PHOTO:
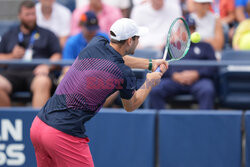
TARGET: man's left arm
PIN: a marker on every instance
(142, 63)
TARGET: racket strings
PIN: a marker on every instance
(178, 40)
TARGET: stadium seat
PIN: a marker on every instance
(21, 97)
(200, 138)
(182, 101)
(234, 81)
(247, 148)
(6, 24)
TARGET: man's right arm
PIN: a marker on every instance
(5, 47)
(16, 53)
(141, 94)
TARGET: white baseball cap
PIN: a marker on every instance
(126, 28)
(204, 1)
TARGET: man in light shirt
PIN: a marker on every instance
(157, 15)
(106, 15)
(55, 17)
(123, 5)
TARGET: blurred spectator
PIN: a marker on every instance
(139, 2)
(184, 7)
(242, 10)
(123, 5)
(157, 15)
(27, 41)
(197, 81)
(106, 15)
(241, 39)
(90, 29)
(224, 9)
(55, 17)
(209, 27)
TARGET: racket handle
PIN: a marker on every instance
(158, 69)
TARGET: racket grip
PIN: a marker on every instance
(158, 69)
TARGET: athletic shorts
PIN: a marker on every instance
(54, 148)
(20, 80)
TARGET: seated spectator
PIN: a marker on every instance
(123, 5)
(241, 39)
(55, 17)
(27, 41)
(106, 15)
(207, 24)
(184, 7)
(225, 10)
(157, 15)
(242, 10)
(76, 43)
(197, 81)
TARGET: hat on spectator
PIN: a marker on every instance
(89, 20)
(125, 28)
(190, 20)
(204, 1)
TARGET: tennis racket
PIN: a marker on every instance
(178, 41)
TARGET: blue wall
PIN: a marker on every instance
(122, 139)
(117, 138)
(200, 139)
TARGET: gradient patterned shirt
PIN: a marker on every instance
(97, 72)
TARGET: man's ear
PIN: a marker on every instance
(129, 41)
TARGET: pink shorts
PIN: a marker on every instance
(54, 148)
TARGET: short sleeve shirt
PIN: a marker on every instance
(98, 71)
(45, 44)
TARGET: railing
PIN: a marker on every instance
(174, 63)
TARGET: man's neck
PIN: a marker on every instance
(46, 11)
(25, 30)
(118, 49)
(201, 14)
(96, 8)
(88, 39)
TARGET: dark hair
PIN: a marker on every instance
(119, 42)
(28, 4)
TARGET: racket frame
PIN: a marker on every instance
(168, 40)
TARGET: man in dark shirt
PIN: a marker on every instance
(97, 72)
(26, 42)
(192, 80)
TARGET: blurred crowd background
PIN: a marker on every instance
(60, 29)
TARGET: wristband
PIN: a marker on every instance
(150, 65)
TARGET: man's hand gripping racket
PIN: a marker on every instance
(178, 41)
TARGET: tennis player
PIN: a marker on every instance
(58, 132)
